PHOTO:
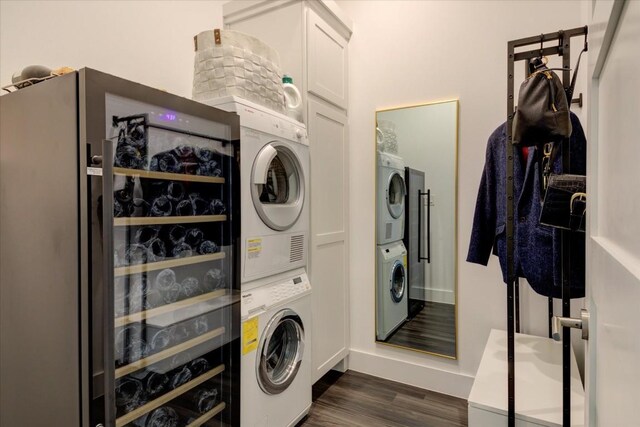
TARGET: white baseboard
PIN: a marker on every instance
(450, 383)
(445, 296)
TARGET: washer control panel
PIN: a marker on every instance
(261, 299)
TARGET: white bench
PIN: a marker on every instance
(538, 368)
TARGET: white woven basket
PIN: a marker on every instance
(233, 63)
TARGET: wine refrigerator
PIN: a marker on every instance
(119, 285)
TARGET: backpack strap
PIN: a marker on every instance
(549, 154)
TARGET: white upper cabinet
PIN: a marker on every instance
(327, 61)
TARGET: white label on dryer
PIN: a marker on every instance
(254, 248)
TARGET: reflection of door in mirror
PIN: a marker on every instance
(416, 224)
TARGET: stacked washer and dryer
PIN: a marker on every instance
(392, 298)
(276, 293)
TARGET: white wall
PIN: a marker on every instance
(150, 42)
(408, 52)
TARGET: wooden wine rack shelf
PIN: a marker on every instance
(208, 415)
(164, 220)
(170, 263)
(168, 176)
(156, 403)
(171, 351)
(148, 314)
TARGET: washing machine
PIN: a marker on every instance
(276, 356)
(391, 191)
(274, 186)
(392, 299)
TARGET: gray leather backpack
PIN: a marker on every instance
(543, 111)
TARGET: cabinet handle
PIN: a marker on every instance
(107, 282)
(421, 194)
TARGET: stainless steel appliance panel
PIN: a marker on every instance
(39, 276)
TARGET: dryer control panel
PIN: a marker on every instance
(260, 299)
(262, 119)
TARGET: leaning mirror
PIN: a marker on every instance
(416, 158)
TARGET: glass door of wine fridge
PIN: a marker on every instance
(165, 222)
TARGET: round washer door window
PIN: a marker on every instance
(277, 186)
(280, 352)
(397, 281)
(395, 195)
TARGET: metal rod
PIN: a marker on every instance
(547, 51)
(548, 37)
(429, 226)
(550, 306)
(517, 296)
(565, 245)
(510, 241)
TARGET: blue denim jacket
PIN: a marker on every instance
(537, 247)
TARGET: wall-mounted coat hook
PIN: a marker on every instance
(577, 100)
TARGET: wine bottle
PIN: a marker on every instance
(129, 393)
(193, 237)
(208, 247)
(190, 287)
(214, 279)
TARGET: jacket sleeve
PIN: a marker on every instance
(484, 220)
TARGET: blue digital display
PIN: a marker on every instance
(169, 117)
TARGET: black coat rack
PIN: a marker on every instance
(562, 49)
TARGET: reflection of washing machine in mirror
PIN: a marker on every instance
(392, 306)
(274, 171)
(390, 201)
(276, 360)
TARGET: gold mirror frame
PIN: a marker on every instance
(375, 222)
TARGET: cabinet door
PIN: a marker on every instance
(329, 242)
(327, 61)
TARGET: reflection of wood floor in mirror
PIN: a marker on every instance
(355, 399)
(432, 330)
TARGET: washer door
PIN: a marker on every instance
(396, 191)
(280, 352)
(277, 186)
(397, 281)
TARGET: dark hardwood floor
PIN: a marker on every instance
(432, 330)
(355, 399)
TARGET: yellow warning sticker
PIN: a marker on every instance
(254, 248)
(249, 335)
(404, 261)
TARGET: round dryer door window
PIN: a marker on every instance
(395, 195)
(397, 281)
(280, 352)
(277, 186)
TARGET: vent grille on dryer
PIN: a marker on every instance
(297, 249)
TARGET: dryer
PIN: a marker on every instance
(276, 355)
(392, 298)
(390, 201)
(274, 186)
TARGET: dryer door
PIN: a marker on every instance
(277, 186)
(280, 352)
(396, 191)
(397, 281)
